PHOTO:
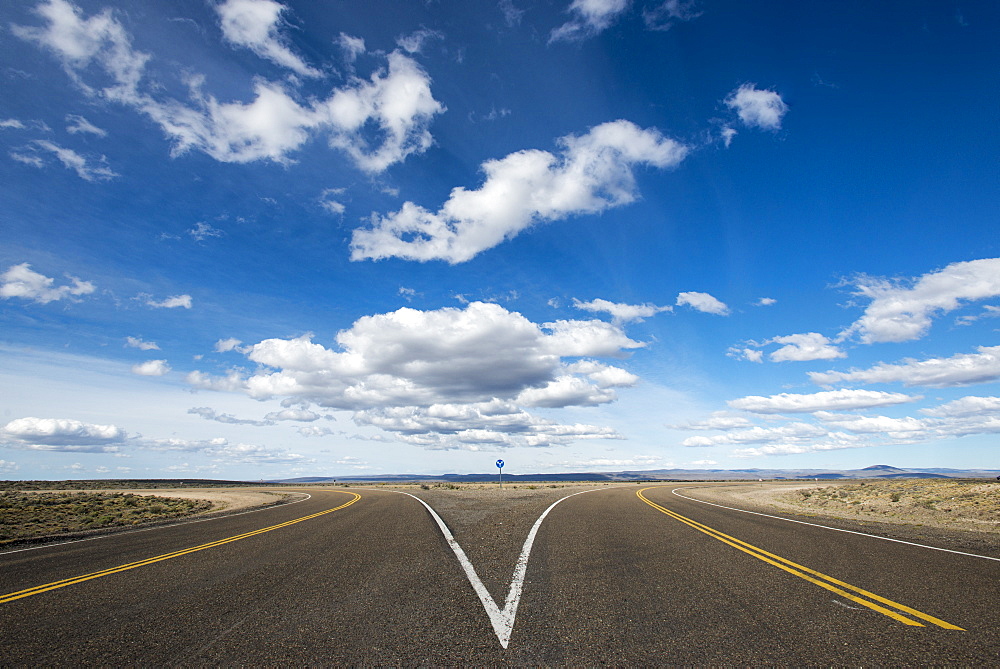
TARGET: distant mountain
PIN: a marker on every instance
(883, 468)
(875, 471)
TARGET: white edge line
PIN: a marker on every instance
(502, 621)
(156, 527)
(837, 529)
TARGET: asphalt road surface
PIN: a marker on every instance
(613, 577)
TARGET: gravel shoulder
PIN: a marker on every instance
(955, 514)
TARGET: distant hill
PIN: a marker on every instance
(875, 471)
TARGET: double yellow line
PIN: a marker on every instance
(166, 556)
(811, 575)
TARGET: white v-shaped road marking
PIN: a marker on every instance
(502, 620)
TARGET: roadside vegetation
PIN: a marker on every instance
(29, 515)
(124, 484)
(969, 504)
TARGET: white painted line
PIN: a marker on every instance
(156, 527)
(502, 621)
(837, 529)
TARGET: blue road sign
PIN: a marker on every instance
(500, 464)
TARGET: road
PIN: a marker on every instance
(368, 577)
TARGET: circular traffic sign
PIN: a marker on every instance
(500, 464)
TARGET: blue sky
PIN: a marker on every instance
(247, 239)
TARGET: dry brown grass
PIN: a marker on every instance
(949, 503)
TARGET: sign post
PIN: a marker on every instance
(500, 467)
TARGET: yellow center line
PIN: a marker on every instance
(166, 556)
(811, 575)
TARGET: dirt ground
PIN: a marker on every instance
(222, 499)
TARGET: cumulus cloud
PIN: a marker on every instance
(256, 24)
(8, 466)
(211, 414)
(791, 433)
(962, 369)
(702, 302)
(589, 17)
(22, 282)
(136, 342)
(822, 401)
(906, 428)
(593, 172)
(805, 346)
(151, 368)
(62, 434)
(834, 442)
(757, 108)
(230, 344)
(970, 405)
(765, 302)
(482, 360)
(377, 122)
(171, 302)
(719, 420)
(901, 310)
(476, 426)
(298, 415)
(621, 313)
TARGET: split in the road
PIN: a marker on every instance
(502, 620)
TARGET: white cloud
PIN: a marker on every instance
(756, 107)
(621, 313)
(896, 428)
(719, 420)
(791, 433)
(414, 42)
(70, 159)
(377, 122)
(12, 123)
(211, 414)
(593, 173)
(151, 368)
(962, 369)
(78, 42)
(298, 415)
(255, 24)
(436, 367)
(21, 281)
(62, 434)
(902, 310)
(352, 46)
(226, 345)
(476, 426)
(78, 124)
(8, 466)
(704, 463)
(331, 205)
(822, 401)
(136, 342)
(669, 12)
(765, 302)
(702, 302)
(970, 405)
(805, 346)
(590, 17)
(834, 444)
(171, 302)
(202, 231)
